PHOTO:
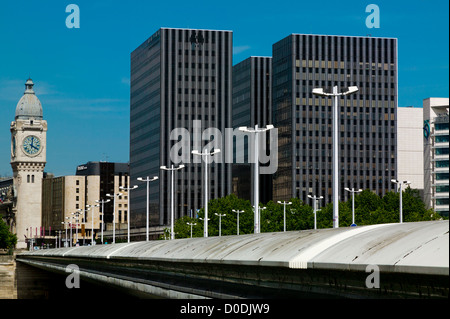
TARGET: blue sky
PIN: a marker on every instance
(82, 75)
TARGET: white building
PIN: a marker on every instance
(410, 146)
(436, 154)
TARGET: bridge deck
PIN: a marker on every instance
(404, 251)
(421, 247)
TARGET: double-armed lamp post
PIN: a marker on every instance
(284, 212)
(335, 95)
(237, 211)
(92, 207)
(353, 191)
(148, 180)
(256, 131)
(400, 183)
(102, 201)
(206, 154)
(315, 199)
(114, 213)
(171, 170)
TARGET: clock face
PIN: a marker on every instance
(31, 145)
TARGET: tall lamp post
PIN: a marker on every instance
(315, 199)
(148, 180)
(353, 191)
(128, 189)
(400, 183)
(220, 222)
(284, 212)
(171, 170)
(77, 216)
(335, 95)
(237, 212)
(71, 227)
(206, 154)
(102, 201)
(114, 213)
(191, 224)
(256, 131)
(92, 207)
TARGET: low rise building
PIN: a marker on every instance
(66, 199)
(436, 154)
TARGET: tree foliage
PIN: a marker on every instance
(7, 239)
(369, 209)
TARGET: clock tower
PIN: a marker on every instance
(28, 158)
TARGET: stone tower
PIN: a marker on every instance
(28, 158)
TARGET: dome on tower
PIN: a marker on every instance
(29, 106)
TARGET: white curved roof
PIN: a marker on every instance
(420, 247)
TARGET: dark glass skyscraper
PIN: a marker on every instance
(252, 105)
(180, 78)
(367, 119)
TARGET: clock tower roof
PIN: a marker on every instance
(29, 106)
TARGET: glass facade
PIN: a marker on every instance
(178, 76)
(252, 105)
(367, 119)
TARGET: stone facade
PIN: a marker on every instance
(28, 159)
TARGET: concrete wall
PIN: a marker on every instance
(410, 145)
(7, 278)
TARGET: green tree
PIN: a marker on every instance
(225, 206)
(369, 209)
(183, 229)
(222, 206)
(8, 240)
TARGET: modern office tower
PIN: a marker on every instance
(436, 154)
(180, 78)
(367, 119)
(252, 105)
(409, 146)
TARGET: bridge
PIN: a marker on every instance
(408, 260)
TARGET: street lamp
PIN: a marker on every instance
(237, 212)
(148, 180)
(77, 216)
(172, 169)
(284, 212)
(191, 224)
(206, 153)
(353, 202)
(83, 224)
(114, 213)
(71, 226)
(335, 95)
(92, 229)
(316, 199)
(400, 183)
(66, 244)
(220, 222)
(103, 213)
(256, 131)
(258, 215)
(128, 189)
